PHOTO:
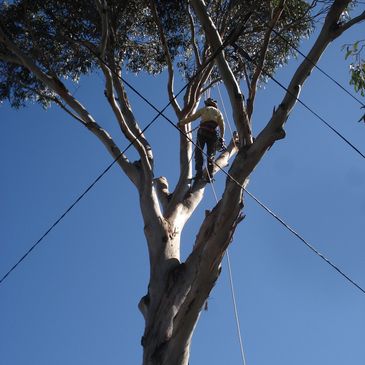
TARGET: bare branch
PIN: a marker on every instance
(183, 209)
(191, 98)
(195, 92)
(193, 38)
(145, 163)
(263, 51)
(170, 84)
(237, 100)
(352, 22)
(223, 159)
(274, 129)
(211, 84)
(83, 115)
(127, 111)
(102, 7)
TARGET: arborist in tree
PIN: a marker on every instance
(208, 134)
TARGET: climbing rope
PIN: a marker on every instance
(231, 286)
(233, 292)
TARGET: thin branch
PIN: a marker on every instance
(237, 100)
(127, 111)
(59, 88)
(129, 168)
(193, 38)
(170, 68)
(185, 144)
(147, 168)
(102, 7)
(211, 84)
(261, 60)
(328, 33)
(352, 22)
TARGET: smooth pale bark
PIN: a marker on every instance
(178, 290)
(240, 116)
(168, 333)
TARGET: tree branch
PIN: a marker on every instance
(191, 98)
(170, 83)
(193, 38)
(217, 229)
(58, 87)
(102, 7)
(237, 100)
(350, 23)
(328, 33)
(127, 112)
(263, 51)
(211, 84)
(162, 190)
(109, 90)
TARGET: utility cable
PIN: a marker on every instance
(243, 356)
(82, 195)
(233, 292)
(249, 58)
(282, 222)
(229, 39)
(268, 210)
(317, 67)
(160, 112)
(226, 116)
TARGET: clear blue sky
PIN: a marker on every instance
(74, 299)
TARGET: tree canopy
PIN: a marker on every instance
(45, 46)
(65, 38)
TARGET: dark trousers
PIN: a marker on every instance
(205, 137)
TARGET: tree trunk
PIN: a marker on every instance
(177, 291)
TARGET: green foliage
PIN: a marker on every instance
(63, 37)
(357, 66)
(358, 77)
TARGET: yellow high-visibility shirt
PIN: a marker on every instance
(208, 113)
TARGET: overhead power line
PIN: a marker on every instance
(81, 196)
(318, 67)
(268, 210)
(160, 112)
(229, 39)
(233, 291)
(327, 124)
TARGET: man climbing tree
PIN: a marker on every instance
(46, 44)
(211, 121)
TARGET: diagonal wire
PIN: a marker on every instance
(267, 209)
(347, 141)
(81, 196)
(320, 69)
(229, 39)
(160, 112)
(233, 292)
